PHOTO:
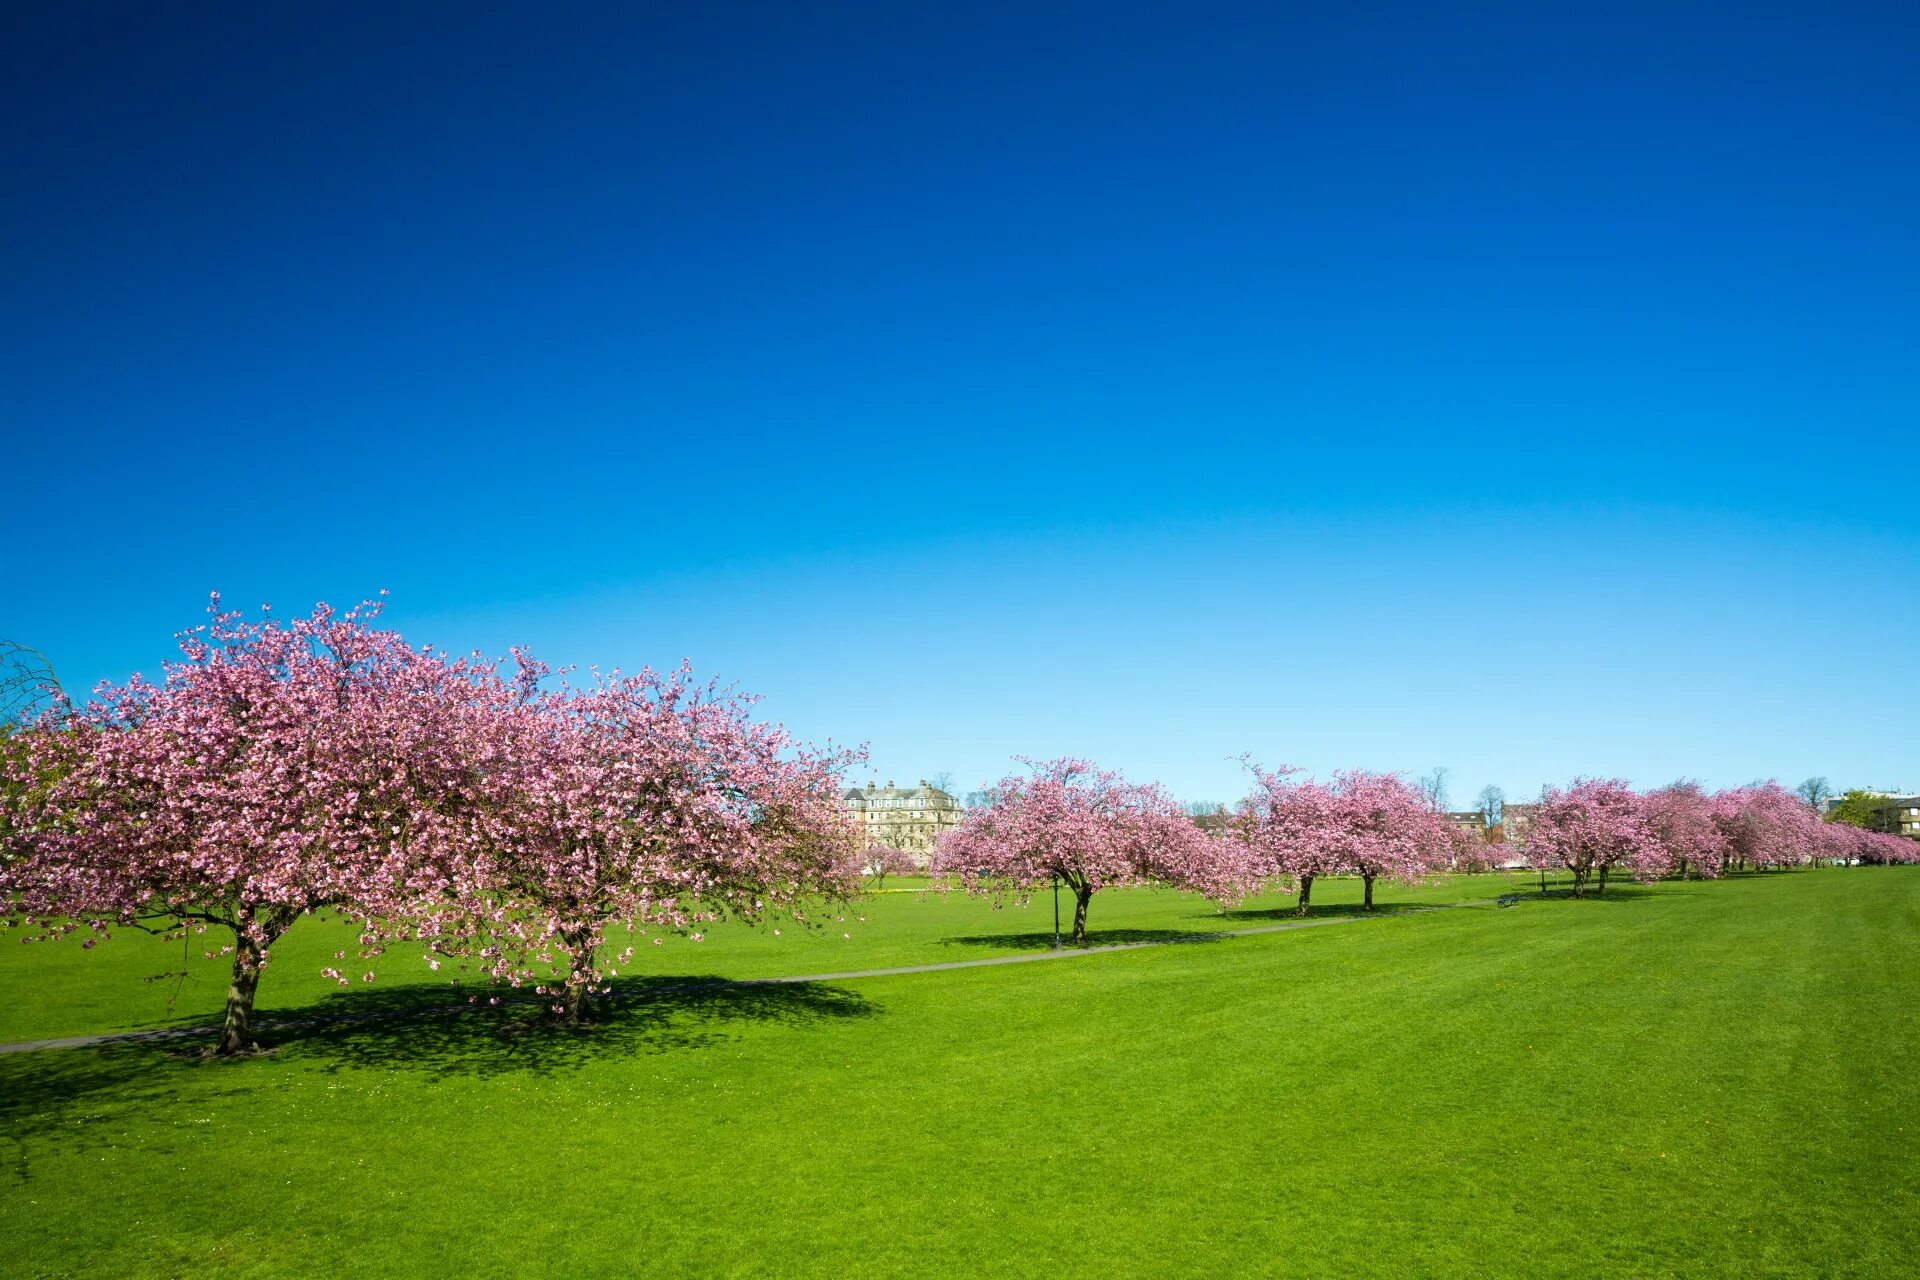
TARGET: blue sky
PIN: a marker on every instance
(1525, 389)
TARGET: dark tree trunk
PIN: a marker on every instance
(1579, 881)
(1603, 882)
(1306, 894)
(251, 942)
(1368, 881)
(236, 1033)
(578, 1004)
(1082, 895)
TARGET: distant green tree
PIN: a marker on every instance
(1868, 810)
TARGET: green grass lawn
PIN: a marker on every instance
(136, 982)
(1689, 1080)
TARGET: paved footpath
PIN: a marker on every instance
(1025, 957)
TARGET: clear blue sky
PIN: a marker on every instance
(1528, 389)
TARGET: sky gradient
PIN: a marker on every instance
(1525, 389)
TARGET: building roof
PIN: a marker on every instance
(926, 793)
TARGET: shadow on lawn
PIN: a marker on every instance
(87, 1095)
(1043, 939)
(1332, 910)
(81, 1098)
(1616, 892)
(1224, 921)
(648, 1015)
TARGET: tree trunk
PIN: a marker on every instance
(236, 1033)
(577, 1007)
(1306, 894)
(1081, 897)
(1603, 882)
(251, 942)
(1368, 881)
(1579, 881)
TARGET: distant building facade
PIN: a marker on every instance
(1893, 814)
(906, 818)
(1500, 853)
(1906, 816)
(1516, 820)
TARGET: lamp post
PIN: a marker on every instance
(1056, 911)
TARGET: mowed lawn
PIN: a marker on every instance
(1691, 1080)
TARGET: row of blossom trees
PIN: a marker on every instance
(515, 826)
(523, 829)
(1599, 827)
(1088, 829)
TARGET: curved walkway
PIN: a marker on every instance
(1024, 957)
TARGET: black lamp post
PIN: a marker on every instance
(1056, 911)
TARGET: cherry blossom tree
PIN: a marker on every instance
(1592, 828)
(1287, 828)
(278, 768)
(639, 803)
(1382, 826)
(1368, 824)
(1681, 817)
(1848, 845)
(1474, 852)
(883, 860)
(1872, 848)
(1764, 825)
(1089, 827)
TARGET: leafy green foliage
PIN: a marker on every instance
(1868, 810)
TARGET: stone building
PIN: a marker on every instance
(1906, 816)
(908, 818)
(1515, 819)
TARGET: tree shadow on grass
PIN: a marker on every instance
(1616, 892)
(1331, 911)
(87, 1095)
(80, 1098)
(1043, 940)
(640, 1016)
